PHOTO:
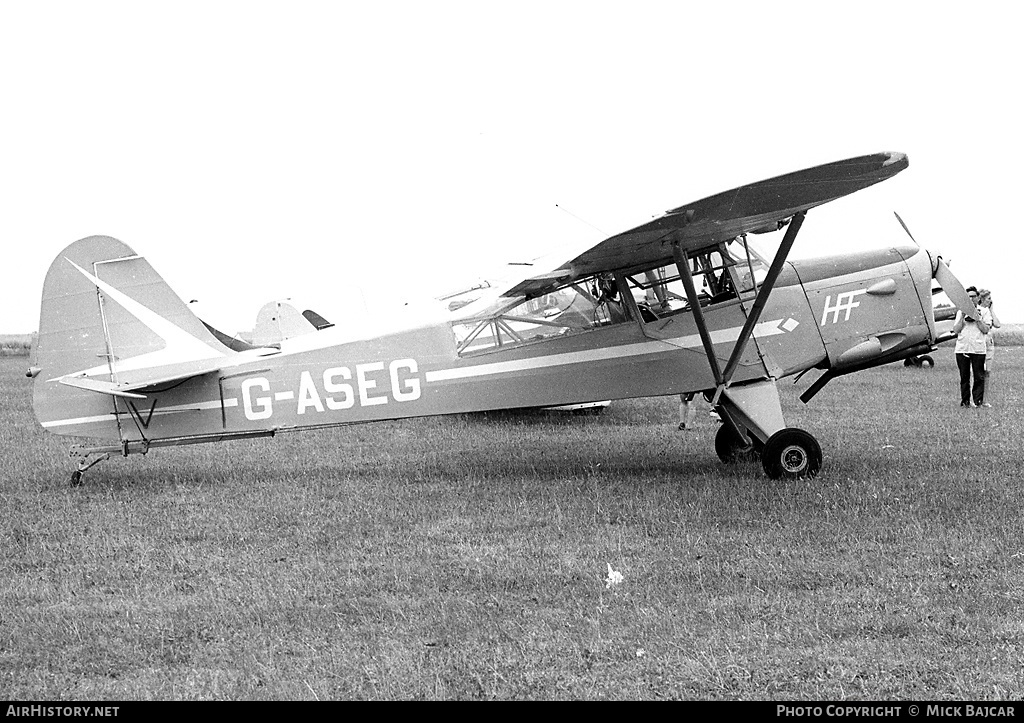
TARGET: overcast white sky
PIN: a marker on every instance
(258, 150)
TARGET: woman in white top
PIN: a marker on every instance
(988, 315)
(972, 332)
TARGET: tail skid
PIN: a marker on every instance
(85, 457)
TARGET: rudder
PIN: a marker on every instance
(84, 329)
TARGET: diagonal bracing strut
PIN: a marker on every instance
(683, 265)
(762, 295)
(723, 377)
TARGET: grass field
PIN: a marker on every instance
(15, 344)
(467, 557)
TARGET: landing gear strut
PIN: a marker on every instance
(730, 448)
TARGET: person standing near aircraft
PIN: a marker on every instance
(990, 318)
(686, 409)
(971, 331)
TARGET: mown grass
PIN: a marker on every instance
(1009, 335)
(16, 344)
(466, 557)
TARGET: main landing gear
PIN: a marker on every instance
(731, 448)
(789, 453)
(752, 421)
(751, 412)
(753, 428)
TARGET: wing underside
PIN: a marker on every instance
(765, 205)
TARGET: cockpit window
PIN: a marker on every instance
(750, 266)
(576, 307)
(718, 274)
(660, 292)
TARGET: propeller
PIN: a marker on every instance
(945, 278)
(905, 228)
(953, 288)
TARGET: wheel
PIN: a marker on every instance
(730, 447)
(791, 453)
(76, 478)
(925, 361)
(909, 361)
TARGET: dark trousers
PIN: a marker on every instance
(968, 363)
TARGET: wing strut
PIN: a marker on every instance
(722, 378)
(683, 264)
(762, 295)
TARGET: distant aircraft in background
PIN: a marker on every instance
(679, 304)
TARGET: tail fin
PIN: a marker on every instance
(104, 306)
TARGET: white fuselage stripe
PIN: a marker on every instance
(197, 407)
(652, 346)
(693, 341)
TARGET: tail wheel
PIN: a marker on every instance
(791, 454)
(730, 448)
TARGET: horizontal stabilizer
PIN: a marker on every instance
(137, 380)
(98, 385)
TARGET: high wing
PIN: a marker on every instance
(765, 205)
(162, 342)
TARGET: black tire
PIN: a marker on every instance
(791, 453)
(925, 361)
(910, 362)
(730, 447)
(76, 478)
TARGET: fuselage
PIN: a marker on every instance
(822, 313)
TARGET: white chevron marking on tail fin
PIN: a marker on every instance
(180, 345)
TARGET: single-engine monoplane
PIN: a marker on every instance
(683, 303)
